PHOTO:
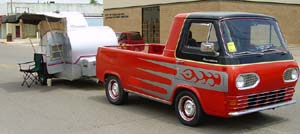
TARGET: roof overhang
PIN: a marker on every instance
(28, 18)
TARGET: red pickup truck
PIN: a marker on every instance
(216, 63)
(131, 40)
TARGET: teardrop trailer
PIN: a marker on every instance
(223, 64)
(68, 45)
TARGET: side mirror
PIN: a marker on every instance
(209, 48)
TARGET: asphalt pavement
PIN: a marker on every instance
(80, 107)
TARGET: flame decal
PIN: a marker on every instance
(190, 75)
(176, 74)
(209, 78)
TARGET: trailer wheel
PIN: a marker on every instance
(188, 109)
(114, 91)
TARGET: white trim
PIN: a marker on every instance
(149, 97)
(248, 111)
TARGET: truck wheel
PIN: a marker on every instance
(188, 109)
(114, 91)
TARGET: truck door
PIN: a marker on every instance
(195, 67)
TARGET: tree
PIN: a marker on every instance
(93, 2)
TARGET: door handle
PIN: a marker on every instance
(179, 61)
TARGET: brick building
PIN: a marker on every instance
(153, 18)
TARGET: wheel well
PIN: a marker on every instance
(107, 75)
(179, 90)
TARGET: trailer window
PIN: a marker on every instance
(56, 52)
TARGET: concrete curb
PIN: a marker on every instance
(20, 41)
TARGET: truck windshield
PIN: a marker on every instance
(252, 36)
(135, 36)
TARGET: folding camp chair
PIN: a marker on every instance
(32, 71)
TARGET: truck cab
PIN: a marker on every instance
(260, 71)
(224, 64)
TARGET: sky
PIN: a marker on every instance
(57, 1)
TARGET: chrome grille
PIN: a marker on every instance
(266, 98)
(250, 79)
(288, 75)
(262, 99)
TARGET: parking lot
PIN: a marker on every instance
(80, 107)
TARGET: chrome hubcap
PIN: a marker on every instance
(187, 108)
(113, 90)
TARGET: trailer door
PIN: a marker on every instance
(54, 51)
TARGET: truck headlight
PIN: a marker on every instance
(240, 82)
(247, 81)
(291, 75)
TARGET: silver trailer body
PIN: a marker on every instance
(70, 46)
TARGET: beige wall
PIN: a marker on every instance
(109, 4)
(167, 13)
(29, 31)
(288, 15)
(133, 22)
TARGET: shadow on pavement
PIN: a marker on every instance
(82, 84)
(166, 113)
(158, 111)
(240, 124)
(56, 84)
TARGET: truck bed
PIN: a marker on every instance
(123, 60)
(146, 48)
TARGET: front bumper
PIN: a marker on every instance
(252, 110)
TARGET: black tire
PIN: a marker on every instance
(114, 91)
(188, 109)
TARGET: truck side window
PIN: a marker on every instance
(196, 33)
(200, 33)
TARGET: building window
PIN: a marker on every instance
(151, 24)
(94, 21)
